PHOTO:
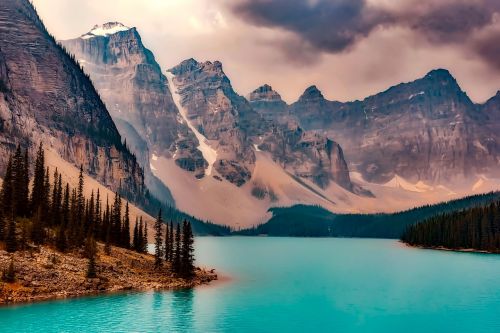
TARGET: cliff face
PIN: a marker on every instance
(268, 103)
(223, 117)
(136, 93)
(423, 130)
(45, 97)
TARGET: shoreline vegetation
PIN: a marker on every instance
(447, 249)
(56, 243)
(43, 274)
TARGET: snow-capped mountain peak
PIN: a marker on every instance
(105, 30)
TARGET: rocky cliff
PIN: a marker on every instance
(45, 97)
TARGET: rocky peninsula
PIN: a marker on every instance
(43, 273)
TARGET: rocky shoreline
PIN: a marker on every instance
(44, 274)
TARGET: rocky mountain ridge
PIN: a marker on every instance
(45, 97)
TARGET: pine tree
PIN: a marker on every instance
(18, 179)
(97, 215)
(46, 200)
(55, 208)
(167, 244)
(116, 223)
(80, 200)
(176, 264)
(187, 258)
(158, 241)
(65, 213)
(135, 239)
(145, 239)
(10, 237)
(126, 228)
(171, 242)
(37, 193)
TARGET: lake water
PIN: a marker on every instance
(296, 285)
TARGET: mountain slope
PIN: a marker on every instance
(427, 130)
(45, 97)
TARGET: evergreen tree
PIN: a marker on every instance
(18, 180)
(145, 239)
(107, 244)
(10, 237)
(135, 239)
(46, 200)
(37, 193)
(65, 213)
(171, 242)
(80, 200)
(167, 244)
(25, 189)
(116, 223)
(126, 228)
(158, 241)
(187, 258)
(97, 215)
(55, 208)
(176, 263)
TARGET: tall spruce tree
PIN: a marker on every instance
(176, 263)
(126, 228)
(135, 239)
(158, 241)
(18, 180)
(167, 242)
(145, 239)
(37, 193)
(171, 240)
(187, 264)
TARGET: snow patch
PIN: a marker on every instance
(415, 95)
(256, 147)
(209, 154)
(154, 157)
(399, 182)
(152, 167)
(105, 30)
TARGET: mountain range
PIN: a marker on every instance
(185, 135)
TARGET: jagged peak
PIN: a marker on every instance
(440, 74)
(105, 30)
(264, 93)
(311, 92)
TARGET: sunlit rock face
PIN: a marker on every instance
(268, 103)
(45, 97)
(137, 94)
(218, 113)
(426, 130)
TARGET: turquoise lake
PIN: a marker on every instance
(296, 285)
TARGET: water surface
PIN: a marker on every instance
(296, 285)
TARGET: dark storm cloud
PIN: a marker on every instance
(333, 26)
(330, 26)
(453, 21)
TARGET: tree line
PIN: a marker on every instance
(54, 214)
(474, 228)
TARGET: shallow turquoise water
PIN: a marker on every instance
(297, 285)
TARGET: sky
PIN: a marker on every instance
(349, 49)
